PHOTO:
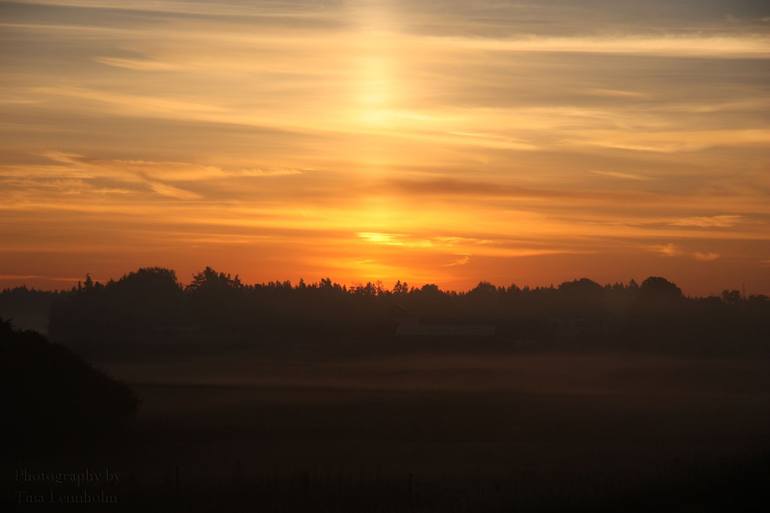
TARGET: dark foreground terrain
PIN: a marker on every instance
(421, 432)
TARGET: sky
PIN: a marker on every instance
(436, 141)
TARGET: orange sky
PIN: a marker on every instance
(438, 141)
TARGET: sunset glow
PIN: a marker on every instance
(441, 141)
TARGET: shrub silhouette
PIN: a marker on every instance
(48, 391)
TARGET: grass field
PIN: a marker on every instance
(450, 432)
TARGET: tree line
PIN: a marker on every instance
(151, 306)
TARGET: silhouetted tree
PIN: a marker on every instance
(659, 289)
(400, 288)
(483, 288)
(210, 281)
(731, 297)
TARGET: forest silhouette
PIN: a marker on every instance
(150, 307)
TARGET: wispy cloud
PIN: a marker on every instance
(689, 140)
(668, 250)
(706, 256)
(463, 260)
(15, 277)
(719, 221)
(140, 64)
(394, 239)
(673, 250)
(141, 105)
(622, 176)
(683, 46)
(617, 93)
(259, 172)
(173, 192)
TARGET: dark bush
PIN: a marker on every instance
(49, 392)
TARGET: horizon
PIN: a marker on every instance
(385, 286)
(373, 140)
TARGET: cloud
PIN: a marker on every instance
(394, 239)
(140, 64)
(672, 250)
(622, 176)
(501, 247)
(450, 186)
(617, 93)
(670, 46)
(668, 142)
(75, 174)
(17, 277)
(257, 172)
(667, 250)
(445, 186)
(463, 260)
(134, 105)
(720, 221)
(63, 157)
(217, 9)
(705, 256)
(164, 170)
(173, 192)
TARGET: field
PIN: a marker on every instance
(448, 432)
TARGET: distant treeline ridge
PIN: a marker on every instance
(150, 305)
